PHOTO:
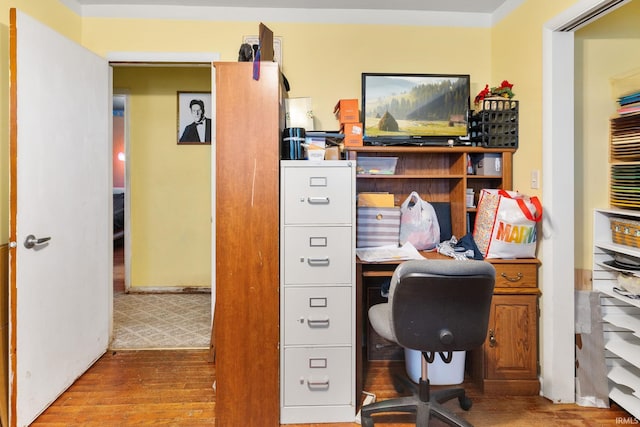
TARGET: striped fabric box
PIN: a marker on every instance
(377, 226)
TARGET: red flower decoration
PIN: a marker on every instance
(483, 93)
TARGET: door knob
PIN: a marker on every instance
(31, 241)
(492, 338)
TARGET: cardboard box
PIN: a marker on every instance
(346, 111)
(352, 134)
(377, 227)
(375, 200)
(332, 153)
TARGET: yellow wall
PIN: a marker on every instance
(600, 55)
(516, 55)
(604, 50)
(321, 61)
(170, 183)
(324, 62)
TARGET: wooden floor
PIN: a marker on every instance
(174, 388)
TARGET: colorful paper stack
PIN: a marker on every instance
(629, 104)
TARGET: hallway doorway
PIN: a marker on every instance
(147, 319)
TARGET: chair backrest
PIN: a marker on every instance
(443, 213)
(441, 305)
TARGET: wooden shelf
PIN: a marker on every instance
(438, 174)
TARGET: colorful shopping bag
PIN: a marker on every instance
(506, 224)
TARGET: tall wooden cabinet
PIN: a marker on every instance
(248, 114)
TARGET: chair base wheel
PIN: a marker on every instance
(465, 402)
(367, 421)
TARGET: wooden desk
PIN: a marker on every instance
(507, 364)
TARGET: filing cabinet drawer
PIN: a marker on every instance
(317, 255)
(516, 275)
(317, 195)
(317, 315)
(317, 376)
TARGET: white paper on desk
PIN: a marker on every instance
(389, 253)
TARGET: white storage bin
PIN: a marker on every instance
(439, 373)
(490, 164)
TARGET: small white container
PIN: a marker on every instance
(315, 154)
(470, 197)
(376, 165)
(490, 164)
(439, 373)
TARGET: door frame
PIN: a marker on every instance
(169, 59)
(124, 94)
(557, 330)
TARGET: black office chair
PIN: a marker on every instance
(436, 307)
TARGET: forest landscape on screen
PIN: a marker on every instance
(414, 107)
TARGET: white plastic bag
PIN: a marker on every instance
(419, 223)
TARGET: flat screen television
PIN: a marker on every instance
(414, 109)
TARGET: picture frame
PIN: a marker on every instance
(277, 46)
(189, 106)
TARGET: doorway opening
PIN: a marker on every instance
(119, 180)
(146, 318)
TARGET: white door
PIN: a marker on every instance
(60, 290)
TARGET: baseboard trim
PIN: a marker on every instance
(168, 290)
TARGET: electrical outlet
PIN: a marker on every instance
(535, 179)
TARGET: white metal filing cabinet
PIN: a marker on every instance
(317, 291)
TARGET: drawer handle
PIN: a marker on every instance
(320, 383)
(492, 338)
(512, 279)
(318, 200)
(318, 261)
(316, 322)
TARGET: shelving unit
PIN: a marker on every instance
(438, 174)
(508, 361)
(624, 159)
(620, 314)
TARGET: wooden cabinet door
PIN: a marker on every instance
(511, 348)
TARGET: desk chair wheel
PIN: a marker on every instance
(402, 384)
(465, 402)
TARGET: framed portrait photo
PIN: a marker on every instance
(194, 118)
